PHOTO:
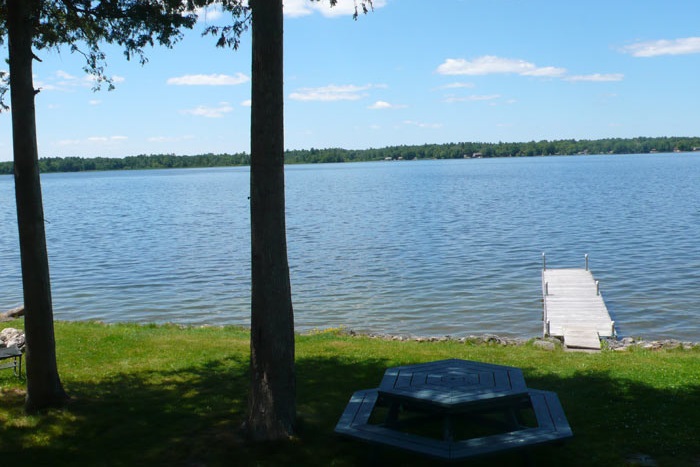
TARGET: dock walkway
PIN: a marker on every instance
(574, 308)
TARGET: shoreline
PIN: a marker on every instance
(547, 343)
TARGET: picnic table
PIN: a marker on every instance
(13, 353)
(454, 409)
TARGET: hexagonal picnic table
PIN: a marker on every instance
(450, 389)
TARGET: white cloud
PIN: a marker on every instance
(687, 45)
(490, 64)
(597, 77)
(247, 103)
(91, 140)
(546, 71)
(332, 92)
(473, 98)
(66, 82)
(64, 75)
(456, 86)
(299, 8)
(422, 124)
(106, 139)
(381, 105)
(209, 13)
(209, 112)
(94, 102)
(209, 80)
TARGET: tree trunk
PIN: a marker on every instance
(271, 409)
(44, 387)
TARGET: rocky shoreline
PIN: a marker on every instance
(14, 337)
(547, 343)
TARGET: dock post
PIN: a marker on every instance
(597, 287)
(546, 288)
(544, 262)
(586, 257)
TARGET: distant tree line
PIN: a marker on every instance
(158, 161)
(639, 145)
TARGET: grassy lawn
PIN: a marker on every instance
(164, 395)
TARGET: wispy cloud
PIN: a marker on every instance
(686, 45)
(92, 140)
(423, 124)
(209, 80)
(105, 139)
(209, 13)
(597, 77)
(299, 8)
(66, 82)
(209, 112)
(382, 105)
(348, 92)
(490, 64)
(456, 86)
(472, 98)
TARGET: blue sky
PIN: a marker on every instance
(411, 72)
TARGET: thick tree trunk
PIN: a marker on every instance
(43, 384)
(272, 409)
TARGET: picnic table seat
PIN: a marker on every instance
(15, 355)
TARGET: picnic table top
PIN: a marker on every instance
(453, 384)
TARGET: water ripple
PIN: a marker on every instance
(428, 247)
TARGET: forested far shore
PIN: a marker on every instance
(639, 145)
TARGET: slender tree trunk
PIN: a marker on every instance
(272, 409)
(44, 387)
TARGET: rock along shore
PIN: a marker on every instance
(547, 343)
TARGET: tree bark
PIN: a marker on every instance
(272, 406)
(44, 387)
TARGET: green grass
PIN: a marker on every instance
(165, 395)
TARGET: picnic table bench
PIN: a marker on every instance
(450, 392)
(7, 353)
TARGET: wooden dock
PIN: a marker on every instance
(574, 308)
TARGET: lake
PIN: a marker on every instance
(412, 247)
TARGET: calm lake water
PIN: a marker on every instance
(420, 247)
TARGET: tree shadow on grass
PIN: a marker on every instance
(192, 417)
(617, 421)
